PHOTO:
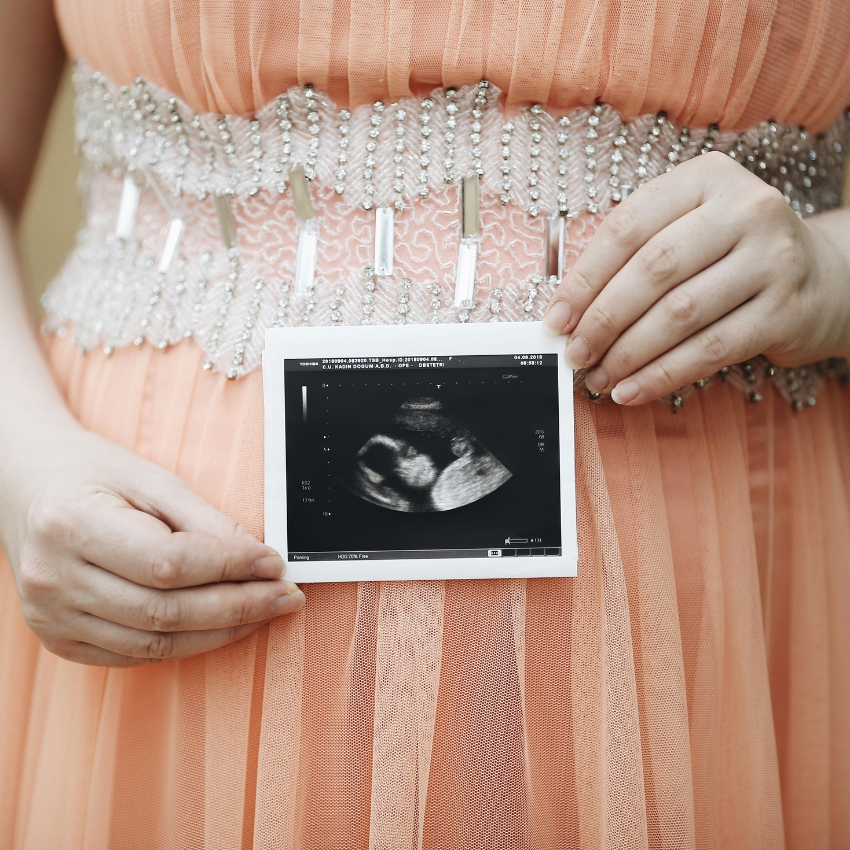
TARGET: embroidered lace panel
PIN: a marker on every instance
(159, 263)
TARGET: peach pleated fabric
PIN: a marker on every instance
(733, 62)
(690, 689)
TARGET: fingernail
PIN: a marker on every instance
(625, 392)
(289, 602)
(557, 318)
(596, 380)
(270, 566)
(578, 352)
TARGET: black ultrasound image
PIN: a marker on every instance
(401, 460)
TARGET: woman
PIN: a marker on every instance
(690, 687)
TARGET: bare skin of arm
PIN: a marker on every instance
(117, 562)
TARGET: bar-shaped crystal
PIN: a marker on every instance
(300, 193)
(308, 232)
(305, 259)
(467, 258)
(554, 266)
(384, 240)
(176, 223)
(176, 229)
(127, 208)
(469, 204)
(226, 224)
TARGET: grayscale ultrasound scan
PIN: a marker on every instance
(423, 460)
(442, 457)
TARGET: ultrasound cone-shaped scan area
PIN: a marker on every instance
(423, 460)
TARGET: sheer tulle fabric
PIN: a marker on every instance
(703, 61)
(690, 689)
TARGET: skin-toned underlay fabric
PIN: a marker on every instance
(703, 61)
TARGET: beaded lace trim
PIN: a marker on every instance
(409, 156)
(396, 154)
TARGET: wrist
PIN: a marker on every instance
(31, 445)
(830, 235)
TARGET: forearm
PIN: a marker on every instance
(32, 411)
(31, 407)
(26, 385)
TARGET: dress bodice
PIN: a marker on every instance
(702, 61)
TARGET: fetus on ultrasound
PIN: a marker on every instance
(424, 461)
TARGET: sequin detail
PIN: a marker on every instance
(409, 156)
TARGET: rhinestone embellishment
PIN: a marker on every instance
(120, 291)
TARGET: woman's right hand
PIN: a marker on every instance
(118, 562)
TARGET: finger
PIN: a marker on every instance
(144, 550)
(159, 493)
(153, 490)
(95, 656)
(683, 249)
(157, 646)
(213, 606)
(682, 312)
(621, 234)
(736, 337)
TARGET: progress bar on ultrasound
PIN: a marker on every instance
(403, 554)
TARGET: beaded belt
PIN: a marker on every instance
(435, 209)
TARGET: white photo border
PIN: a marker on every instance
(505, 338)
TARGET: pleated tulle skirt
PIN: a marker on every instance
(691, 688)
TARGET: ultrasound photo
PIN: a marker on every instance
(438, 457)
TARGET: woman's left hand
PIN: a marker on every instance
(703, 267)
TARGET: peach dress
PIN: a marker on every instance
(691, 688)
